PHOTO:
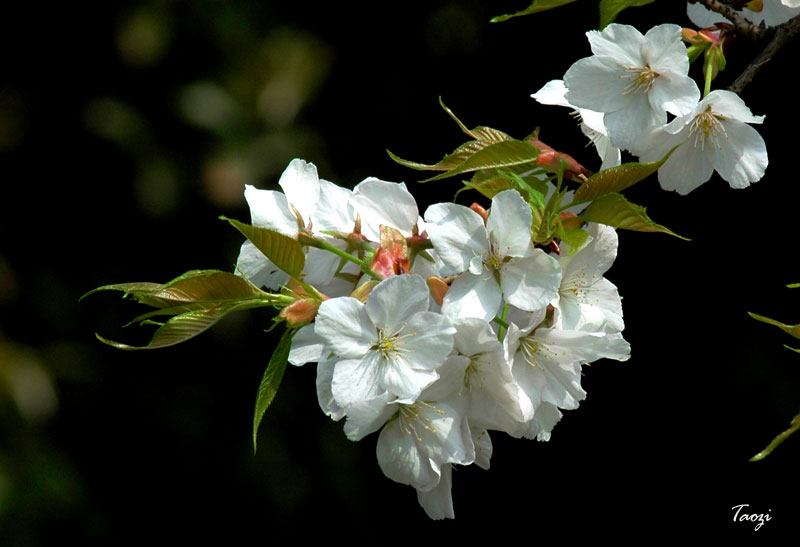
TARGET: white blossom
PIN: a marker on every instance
(715, 136)
(495, 262)
(633, 79)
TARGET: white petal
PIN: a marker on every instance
(260, 270)
(307, 347)
(401, 460)
(379, 203)
(438, 501)
(458, 234)
(395, 299)
(553, 93)
(333, 211)
(473, 296)
(627, 126)
(270, 209)
(427, 339)
(742, 158)
(509, 224)
(356, 380)
(596, 83)
(687, 168)
(729, 105)
(300, 184)
(398, 378)
(345, 327)
(677, 94)
(368, 416)
(531, 283)
(324, 394)
(622, 42)
(664, 51)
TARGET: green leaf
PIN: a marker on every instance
(187, 325)
(535, 7)
(793, 330)
(609, 9)
(285, 252)
(614, 210)
(271, 380)
(197, 300)
(795, 425)
(483, 137)
(192, 290)
(494, 156)
(617, 179)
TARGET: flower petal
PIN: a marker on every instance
(395, 299)
(458, 234)
(473, 296)
(384, 203)
(509, 224)
(300, 183)
(531, 283)
(345, 327)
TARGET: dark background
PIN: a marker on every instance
(127, 128)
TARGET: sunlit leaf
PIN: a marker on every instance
(187, 325)
(483, 137)
(196, 300)
(494, 156)
(793, 330)
(271, 380)
(285, 252)
(614, 210)
(535, 7)
(609, 9)
(192, 290)
(617, 179)
(795, 425)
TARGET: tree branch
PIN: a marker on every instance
(742, 25)
(780, 36)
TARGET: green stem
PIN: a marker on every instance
(709, 73)
(778, 440)
(502, 322)
(322, 244)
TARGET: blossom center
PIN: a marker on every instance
(414, 421)
(641, 78)
(389, 346)
(707, 126)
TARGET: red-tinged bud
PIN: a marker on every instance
(438, 288)
(567, 223)
(481, 211)
(300, 312)
(387, 264)
(551, 159)
(554, 247)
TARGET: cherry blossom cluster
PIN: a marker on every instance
(635, 94)
(439, 328)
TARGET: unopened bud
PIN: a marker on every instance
(300, 312)
(481, 211)
(438, 288)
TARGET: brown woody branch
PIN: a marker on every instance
(774, 38)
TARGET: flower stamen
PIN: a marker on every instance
(641, 79)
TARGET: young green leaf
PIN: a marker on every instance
(494, 156)
(184, 326)
(795, 425)
(793, 330)
(483, 137)
(271, 380)
(193, 290)
(614, 210)
(535, 7)
(285, 252)
(617, 179)
(609, 9)
(196, 300)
